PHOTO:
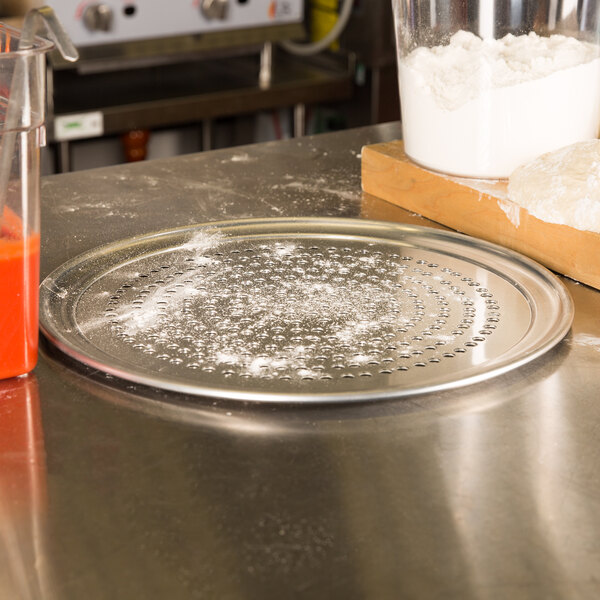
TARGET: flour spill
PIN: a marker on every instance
(512, 211)
(293, 309)
(590, 341)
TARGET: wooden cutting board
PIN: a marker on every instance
(479, 208)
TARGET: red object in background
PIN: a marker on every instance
(19, 280)
(135, 144)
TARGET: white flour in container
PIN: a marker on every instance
(480, 108)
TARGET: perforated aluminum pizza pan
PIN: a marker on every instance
(304, 310)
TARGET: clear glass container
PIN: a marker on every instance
(22, 114)
(487, 85)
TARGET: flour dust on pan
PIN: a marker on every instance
(304, 310)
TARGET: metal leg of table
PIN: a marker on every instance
(265, 73)
(206, 134)
(62, 157)
(299, 119)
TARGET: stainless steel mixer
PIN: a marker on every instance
(108, 29)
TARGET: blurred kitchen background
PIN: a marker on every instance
(158, 79)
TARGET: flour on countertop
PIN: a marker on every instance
(243, 157)
(583, 339)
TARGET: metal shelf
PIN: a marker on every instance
(169, 95)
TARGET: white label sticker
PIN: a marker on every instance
(78, 126)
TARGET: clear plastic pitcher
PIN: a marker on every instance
(487, 85)
(22, 83)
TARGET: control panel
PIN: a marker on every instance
(94, 22)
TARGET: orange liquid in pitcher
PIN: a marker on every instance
(19, 279)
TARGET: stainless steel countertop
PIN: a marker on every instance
(491, 491)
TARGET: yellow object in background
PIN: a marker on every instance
(323, 16)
